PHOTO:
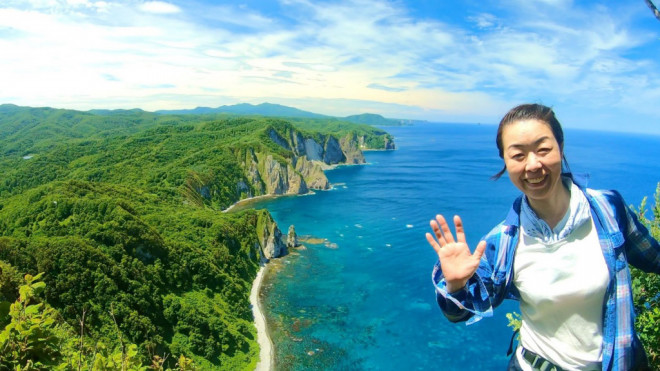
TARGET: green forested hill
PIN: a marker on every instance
(121, 211)
(39, 145)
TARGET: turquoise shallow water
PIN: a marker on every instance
(364, 299)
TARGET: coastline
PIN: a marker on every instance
(266, 360)
(266, 354)
(324, 167)
(248, 200)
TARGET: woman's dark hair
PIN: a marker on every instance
(530, 112)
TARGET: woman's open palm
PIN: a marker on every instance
(458, 264)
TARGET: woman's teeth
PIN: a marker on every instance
(535, 180)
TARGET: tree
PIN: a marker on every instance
(36, 338)
(32, 339)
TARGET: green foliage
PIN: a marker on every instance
(120, 210)
(106, 246)
(195, 157)
(515, 321)
(204, 330)
(31, 340)
(646, 291)
(35, 338)
(374, 138)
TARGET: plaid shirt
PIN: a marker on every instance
(623, 239)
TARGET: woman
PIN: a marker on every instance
(563, 252)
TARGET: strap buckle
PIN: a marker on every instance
(537, 362)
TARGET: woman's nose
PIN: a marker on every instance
(533, 163)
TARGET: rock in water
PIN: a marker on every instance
(292, 238)
(270, 237)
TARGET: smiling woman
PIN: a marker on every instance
(562, 252)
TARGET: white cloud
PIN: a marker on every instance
(159, 7)
(86, 54)
(484, 20)
(236, 16)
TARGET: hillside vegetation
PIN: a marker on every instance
(120, 211)
(646, 290)
(277, 110)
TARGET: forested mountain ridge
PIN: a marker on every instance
(264, 109)
(208, 152)
(278, 110)
(121, 211)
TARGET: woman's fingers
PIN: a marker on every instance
(460, 233)
(432, 242)
(479, 251)
(446, 232)
(438, 233)
(444, 236)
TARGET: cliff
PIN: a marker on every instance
(386, 142)
(297, 163)
(294, 166)
(271, 243)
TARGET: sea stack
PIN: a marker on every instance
(292, 238)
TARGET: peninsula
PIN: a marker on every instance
(121, 211)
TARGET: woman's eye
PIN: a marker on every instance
(518, 156)
(544, 150)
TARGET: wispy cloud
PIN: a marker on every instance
(159, 7)
(386, 88)
(157, 54)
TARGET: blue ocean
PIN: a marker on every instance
(359, 295)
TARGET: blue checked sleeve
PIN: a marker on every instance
(471, 303)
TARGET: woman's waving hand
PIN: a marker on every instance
(457, 262)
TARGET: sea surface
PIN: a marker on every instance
(361, 298)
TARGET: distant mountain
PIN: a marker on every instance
(263, 109)
(116, 111)
(374, 119)
(278, 110)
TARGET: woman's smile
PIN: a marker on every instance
(536, 180)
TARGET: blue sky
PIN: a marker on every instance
(596, 63)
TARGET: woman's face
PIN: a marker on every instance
(533, 159)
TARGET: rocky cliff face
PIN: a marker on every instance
(350, 145)
(270, 237)
(292, 237)
(303, 170)
(389, 144)
(312, 173)
(297, 170)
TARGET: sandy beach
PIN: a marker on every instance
(265, 345)
(248, 200)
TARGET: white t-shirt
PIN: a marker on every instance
(562, 287)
